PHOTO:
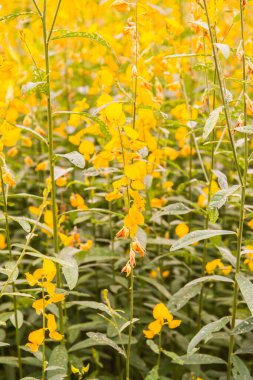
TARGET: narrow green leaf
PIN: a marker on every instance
(182, 297)
(90, 36)
(173, 209)
(76, 158)
(244, 326)
(239, 369)
(197, 235)
(211, 122)
(246, 288)
(206, 333)
(199, 359)
(102, 339)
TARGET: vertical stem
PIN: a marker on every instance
(222, 91)
(160, 349)
(243, 195)
(201, 296)
(8, 240)
(51, 148)
(131, 296)
(44, 331)
(131, 287)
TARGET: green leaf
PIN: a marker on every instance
(245, 129)
(30, 86)
(20, 319)
(199, 359)
(182, 297)
(7, 270)
(224, 49)
(162, 289)
(90, 36)
(213, 214)
(103, 127)
(70, 272)
(239, 369)
(102, 339)
(220, 197)
(222, 179)
(76, 158)
(206, 333)
(244, 326)
(210, 278)
(58, 358)
(227, 255)
(153, 346)
(23, 223)
(197, 235)
(173, 209)
(33, 132)
(211, 122)
(246, 288)
(14, 15)
(153, 374)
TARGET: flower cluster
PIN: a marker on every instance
(43, 278)
(162, 317)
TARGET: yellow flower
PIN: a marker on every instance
(51, 325)
(133, 219)
(86, 246)
(87, 149)
(157, 202)
(42, 166)
(9, 180)
(250, 224)
(36, 338)
(77, 201)
(2, 242)
(112, 196)
(160, 311)
(61, 182)
(181, 230)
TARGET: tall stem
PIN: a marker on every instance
(8, 241)
(130, 331)
(46, 40)
(201, 296)
(223, 97)
(243, 195)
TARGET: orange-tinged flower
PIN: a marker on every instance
(138, 248)
(123, 233)
(121, 6)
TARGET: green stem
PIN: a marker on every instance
(222, 88)
(8, 240)
(160, 349)
(130, 331)
(201, 296)
(243, 195)
(46, 40)
(44, 333)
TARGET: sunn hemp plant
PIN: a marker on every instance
(125, 190)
